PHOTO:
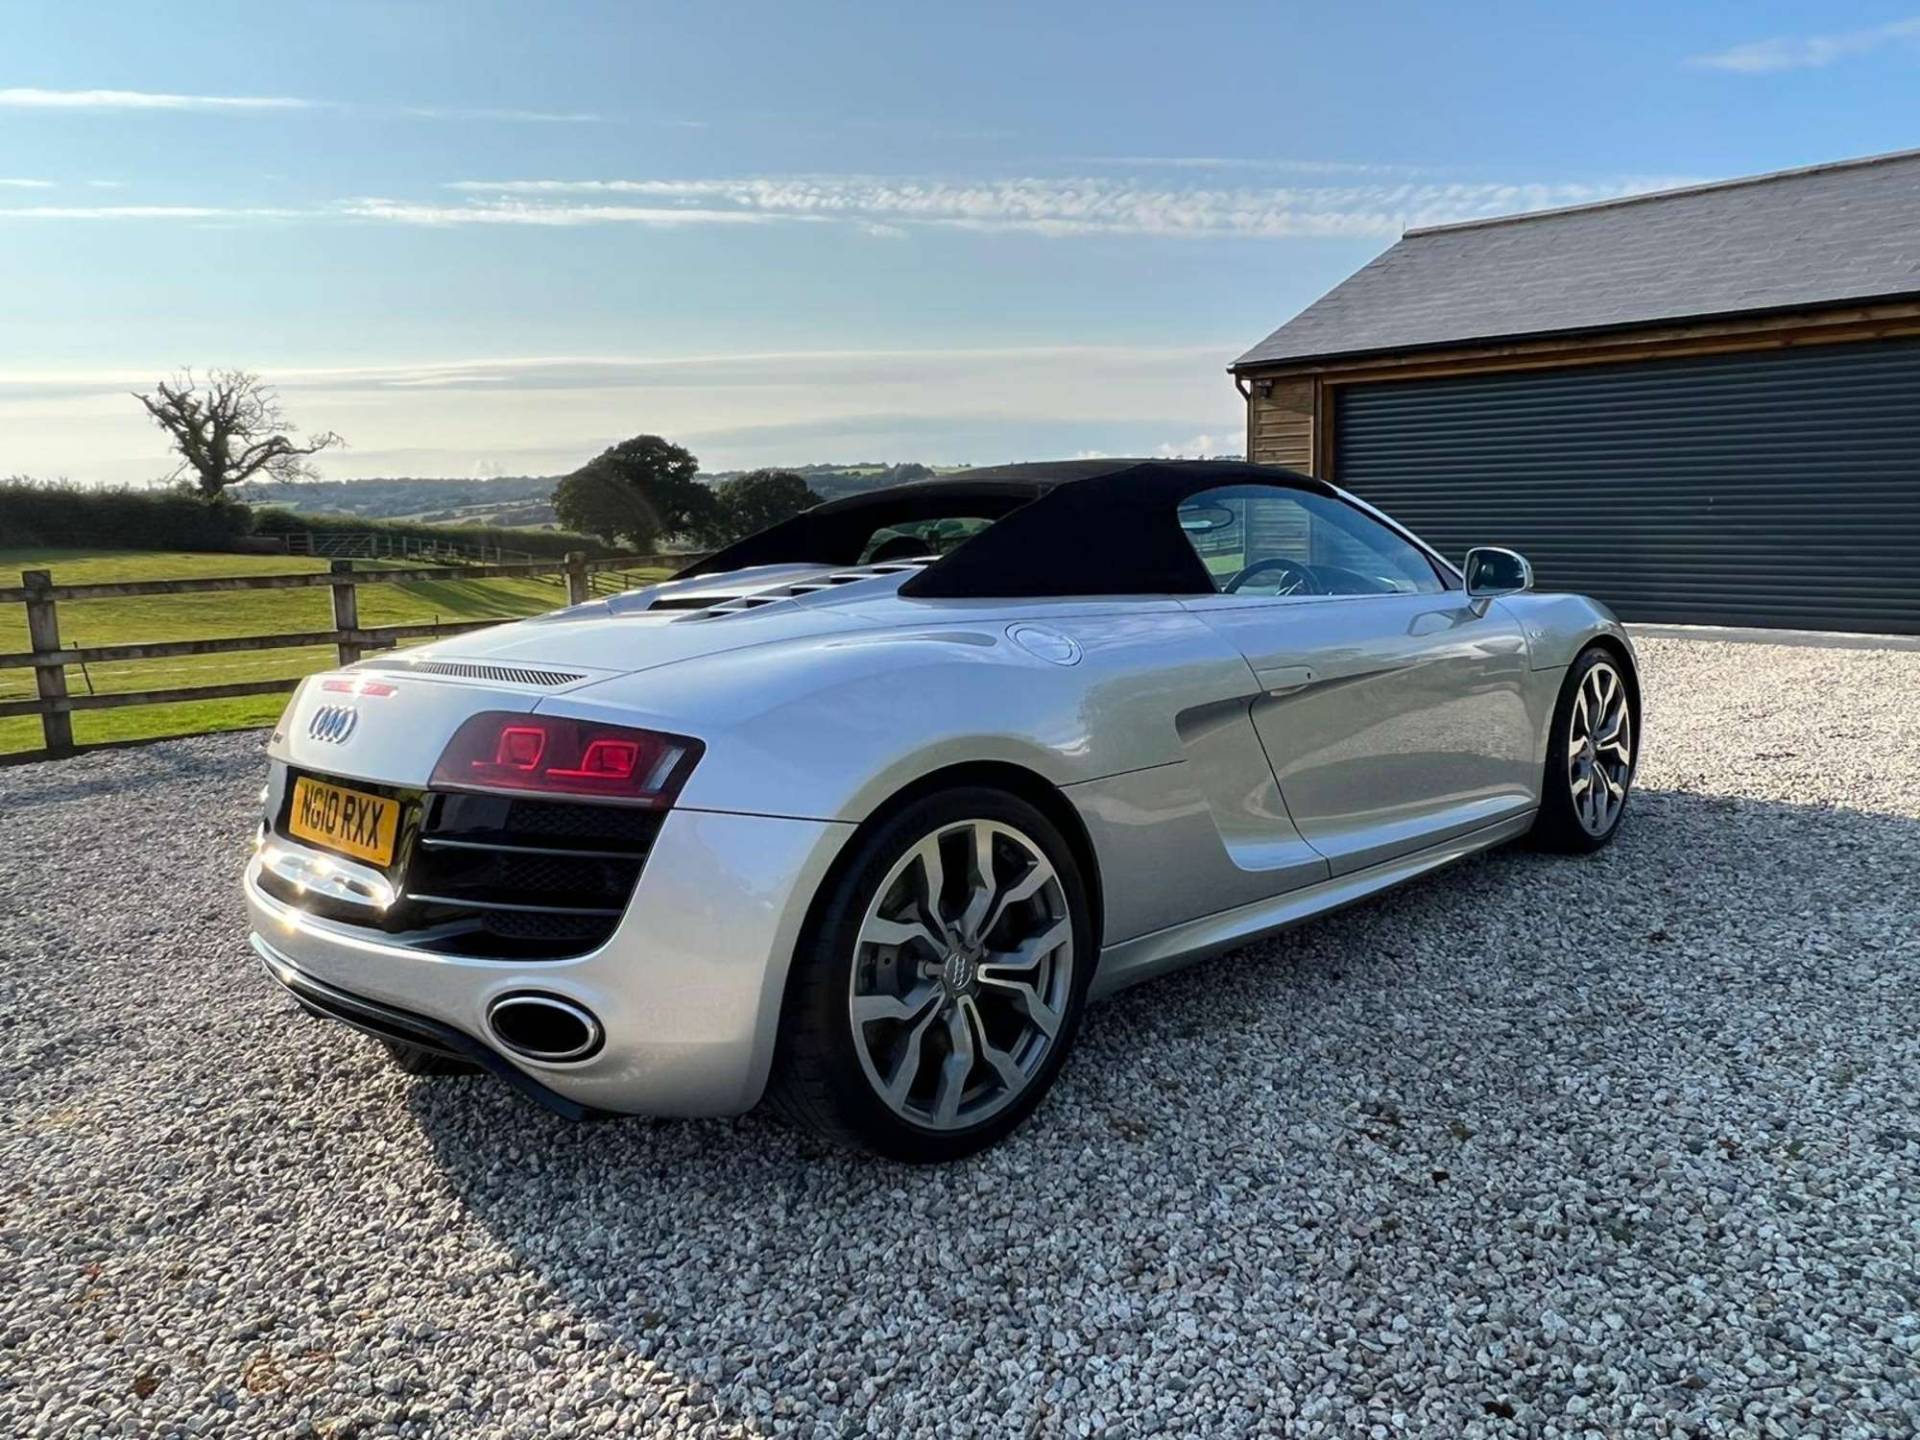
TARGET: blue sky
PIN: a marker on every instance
(488, 238)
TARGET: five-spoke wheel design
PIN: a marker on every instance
(962, 974)
(1600, 748)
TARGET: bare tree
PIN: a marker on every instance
(229, 428)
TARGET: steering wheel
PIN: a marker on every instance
(1295, 579)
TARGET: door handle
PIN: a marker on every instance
(1285, 679)
(1290, 679)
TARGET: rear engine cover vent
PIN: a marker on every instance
(792, 591)
(509, 674)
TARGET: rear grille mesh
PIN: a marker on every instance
(527, 878)
(530, 935)
(503, 877)
(465, 670)
(498, 876)
(587, 827)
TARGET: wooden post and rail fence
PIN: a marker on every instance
(50, 658)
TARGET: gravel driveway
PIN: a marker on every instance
(1628, 1146)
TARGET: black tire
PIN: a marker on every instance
(1560, 826)
(418, 1061)
(818, 1080)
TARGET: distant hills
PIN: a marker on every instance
(525, 501)
(518, 500)
(830, 482)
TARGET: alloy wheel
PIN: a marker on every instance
(1600, 749)
(962, 974)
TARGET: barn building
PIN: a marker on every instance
(1700, 405)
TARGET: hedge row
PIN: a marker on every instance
(38, 513)
(544, 543)
(34, 513)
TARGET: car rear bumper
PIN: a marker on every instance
(687, 989)
(385, 1022)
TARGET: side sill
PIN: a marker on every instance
(1163, 951)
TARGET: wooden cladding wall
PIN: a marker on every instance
(1280, 423)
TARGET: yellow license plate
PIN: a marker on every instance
(350, 821)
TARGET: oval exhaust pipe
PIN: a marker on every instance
(544, 1028)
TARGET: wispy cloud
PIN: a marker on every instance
(745, 368)
(1248, 162)
(31, 99)
(516, 212)
(1810, 52)
(35, 99)
(460, 112)
(1205, 446)
(1083, 206)
(25, 184)
(148, 212)
(891, 208)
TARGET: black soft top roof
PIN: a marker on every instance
(1065, 527)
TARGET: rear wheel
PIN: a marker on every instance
(940, 987)
(1590, 756)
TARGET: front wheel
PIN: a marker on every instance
(939, 989)
(1590, 756)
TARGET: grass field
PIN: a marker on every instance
(223, 613)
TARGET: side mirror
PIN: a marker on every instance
(1492, 572)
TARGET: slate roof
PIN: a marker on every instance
(1827, 234)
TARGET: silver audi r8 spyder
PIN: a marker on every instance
(858, 814)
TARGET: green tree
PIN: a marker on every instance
(760, 498)
(594, 502)
(641, 491)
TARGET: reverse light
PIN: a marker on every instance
(326, 877)
(555, 755)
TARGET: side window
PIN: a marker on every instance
(1269, 540)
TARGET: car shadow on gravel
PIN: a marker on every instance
(1499, 1093)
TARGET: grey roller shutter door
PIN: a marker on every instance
(1778, 488)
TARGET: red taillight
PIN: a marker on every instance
(521, 747)
(551, 754)
(358, 685)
